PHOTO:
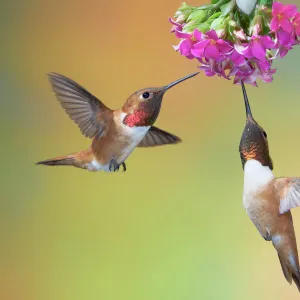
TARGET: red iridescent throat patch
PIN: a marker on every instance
(138, 118)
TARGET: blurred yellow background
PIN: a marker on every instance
(173, 226)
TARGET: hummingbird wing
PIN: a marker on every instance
(82, 107)
(288, 189)
(158, 137)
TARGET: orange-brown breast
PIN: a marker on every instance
(267, 215)
(113, 142)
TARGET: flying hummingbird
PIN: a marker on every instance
(115, 133)
(267, 199)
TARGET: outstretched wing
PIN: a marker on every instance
(82, 107)
(157, 137)
(288, 189)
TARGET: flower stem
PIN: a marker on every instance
(217, 6)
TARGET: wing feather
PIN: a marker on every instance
(158, 137)
(81, 106)
(289, 192)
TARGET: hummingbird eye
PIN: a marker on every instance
(265, 134)
(146, 95)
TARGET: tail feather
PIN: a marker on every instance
(296, 279)
(288, 258)
(58, 161)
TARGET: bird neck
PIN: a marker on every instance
(137, 118)
(145, 114)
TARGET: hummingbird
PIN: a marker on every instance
(114, 133)
(268, 200)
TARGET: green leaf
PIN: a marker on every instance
(197, 16)
(214, 1)
(214, 16)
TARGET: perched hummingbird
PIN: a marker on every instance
(267, 199)
(115, 133)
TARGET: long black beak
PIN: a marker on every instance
(247, 105)
(179, 80)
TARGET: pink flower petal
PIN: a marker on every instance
(286, 25)
(258, 50)
(191, 56)
(211, 51)
(266, 76)
(233, 71)
(212, 35)
(224, 46)
(285, 38)
(198, 48)
(237, 58)
(251, 79)
(202, 44)
(240, 48)
(289, 11)
(277, 8)
(264, 66)
(185, 47)
(204, 67)
(274, 24)
(240, 34)
(247, 52)
(283, 51)
(210, 73)
(173, 22)
(297, 17)
(267, 42)
(198, 35)
(182, 35)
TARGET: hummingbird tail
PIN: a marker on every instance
(288, 257)
(58, 161)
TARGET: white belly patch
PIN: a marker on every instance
(95, 166)
(134, 134)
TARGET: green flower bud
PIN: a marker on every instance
(197, 16)
(218, 23)
(183, 13)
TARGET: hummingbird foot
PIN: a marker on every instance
(114, 166)
(124, 166)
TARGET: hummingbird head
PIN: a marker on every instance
(143, 106)
(254, 142)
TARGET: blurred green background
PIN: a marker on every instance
(173, 226)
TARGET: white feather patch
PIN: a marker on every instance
(135, 134)
(256, 176)
(292, 197)
(95, 166)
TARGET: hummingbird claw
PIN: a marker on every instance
(114, 166)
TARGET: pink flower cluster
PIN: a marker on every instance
(245, 57)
